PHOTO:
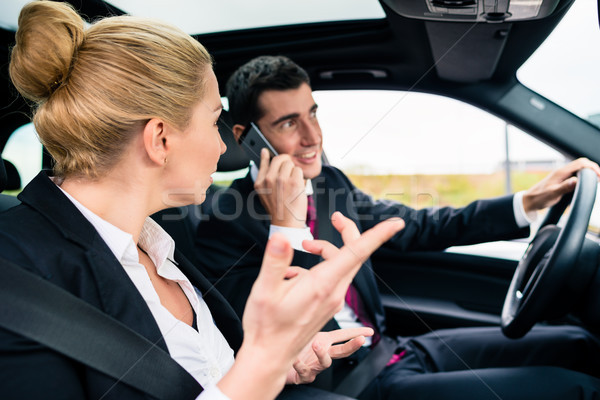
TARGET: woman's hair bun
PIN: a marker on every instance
(47, 41)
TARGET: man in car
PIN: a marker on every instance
(295, 194)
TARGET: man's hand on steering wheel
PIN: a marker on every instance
(552, 266)
(549, 190)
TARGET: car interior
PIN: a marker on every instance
(467, 50)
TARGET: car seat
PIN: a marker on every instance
(9, 180)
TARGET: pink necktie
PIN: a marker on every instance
(311, 216)
(358, 306)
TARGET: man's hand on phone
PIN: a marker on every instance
(282, 190)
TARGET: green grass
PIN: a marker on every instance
(440, 190)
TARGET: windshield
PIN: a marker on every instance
(197, 17)
(571, 79)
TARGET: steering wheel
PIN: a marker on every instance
(550, 260)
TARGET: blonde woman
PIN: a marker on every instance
(128, 109)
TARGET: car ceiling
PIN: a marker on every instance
(474, 62)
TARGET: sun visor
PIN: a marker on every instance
(466, 52)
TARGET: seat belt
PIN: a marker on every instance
(363, 374)
(369, 367)
(41, 311)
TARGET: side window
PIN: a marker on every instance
(24, 151)
(430, 151)
(427, 150)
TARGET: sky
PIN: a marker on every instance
(411, 133)
(572, 51)
(191, 16)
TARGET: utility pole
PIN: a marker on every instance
(507, 161)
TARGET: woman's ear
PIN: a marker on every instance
(237, 130)
(156, 141)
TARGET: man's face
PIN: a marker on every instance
(290, 124)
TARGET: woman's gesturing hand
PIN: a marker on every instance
(285, 310)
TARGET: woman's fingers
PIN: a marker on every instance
(349, 232)
(293, 272)
(345, 226)
(320, 248)
(294, 304)
(276, 261)
(346, 262)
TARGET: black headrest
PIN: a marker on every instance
(234, 158)
(3, 177)
(13, 179)
(9, 176)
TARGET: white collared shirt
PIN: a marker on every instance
(346, 318)
(205, 354)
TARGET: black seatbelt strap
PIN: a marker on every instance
(364, 373)
(326, 230)
(36, 309)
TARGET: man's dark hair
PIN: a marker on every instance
(257, 75)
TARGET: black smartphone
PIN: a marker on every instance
(253, 141)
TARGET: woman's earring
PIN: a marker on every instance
(165, 163)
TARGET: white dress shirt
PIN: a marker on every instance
(205, 353)
(346, 318)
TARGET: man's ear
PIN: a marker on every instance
(237, 130)
(155, 141)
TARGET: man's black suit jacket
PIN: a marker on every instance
(48, 236)
(232, 236)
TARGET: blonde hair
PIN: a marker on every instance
(94, 88)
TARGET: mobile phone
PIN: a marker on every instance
(253, 141)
